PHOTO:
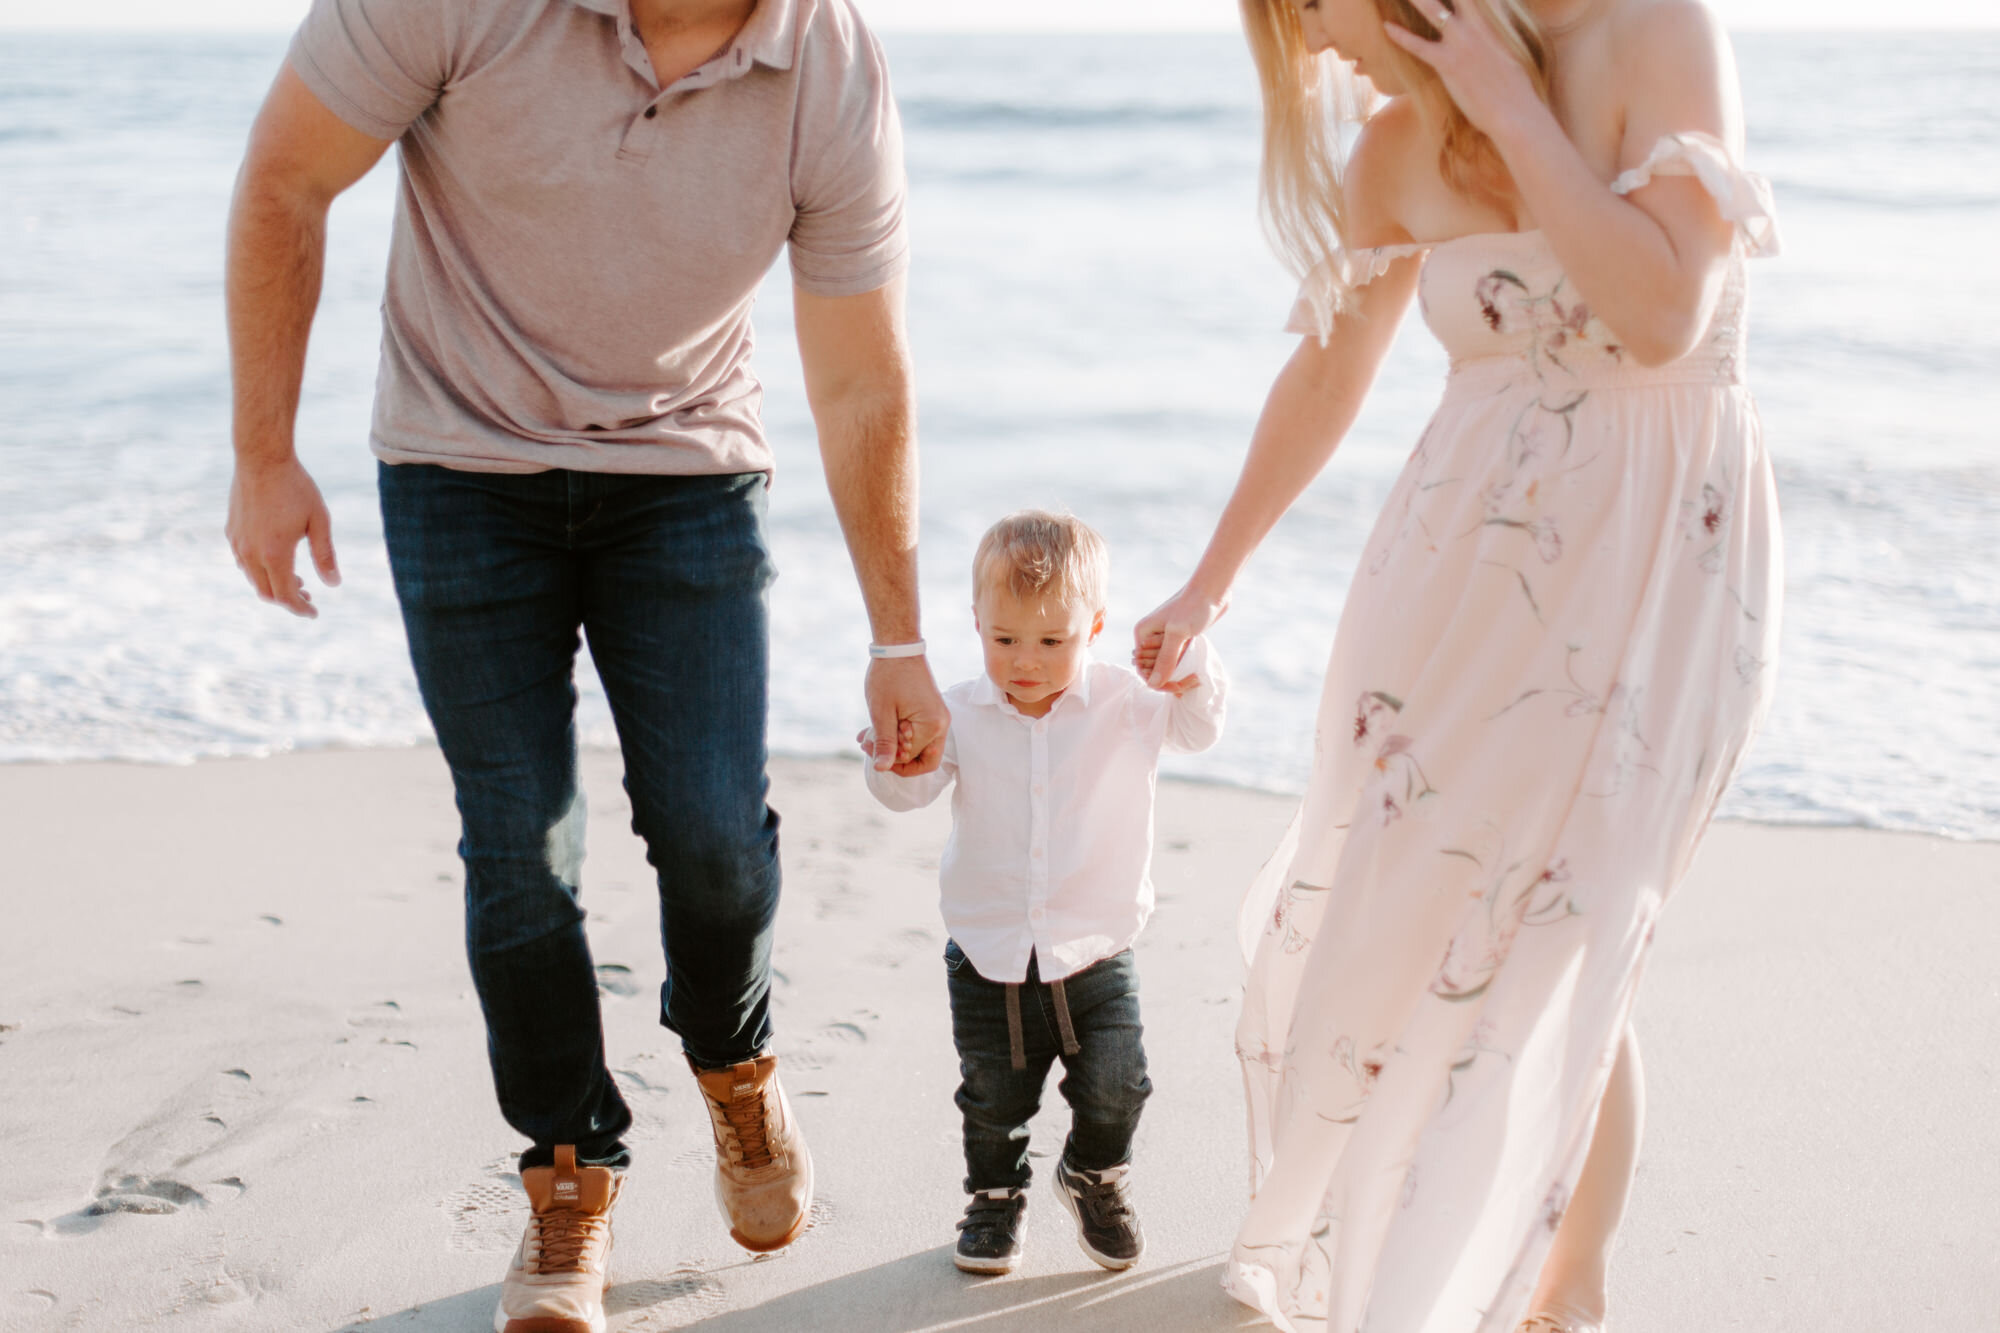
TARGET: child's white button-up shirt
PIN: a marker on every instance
(1052, 818)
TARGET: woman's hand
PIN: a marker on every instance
(1481, 74)
(1160, 638)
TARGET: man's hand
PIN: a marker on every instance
(272, 508)
(299, 157)
(903, 702)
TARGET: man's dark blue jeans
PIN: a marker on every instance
(497, 575)
(1104, 1081)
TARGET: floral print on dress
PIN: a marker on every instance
(1560, 638)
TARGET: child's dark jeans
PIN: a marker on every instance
(1089, 1021)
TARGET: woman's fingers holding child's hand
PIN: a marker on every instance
(1160, 638)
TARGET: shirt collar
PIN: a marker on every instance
(769, 37)
(772, 33)
(986, 694)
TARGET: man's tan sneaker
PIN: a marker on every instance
(763, 1173)
(556, 1282)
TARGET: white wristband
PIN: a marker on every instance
(881, 650)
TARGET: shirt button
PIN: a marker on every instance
(652, 111)
(1038, 853)
(1036, 914)
(1038, 789)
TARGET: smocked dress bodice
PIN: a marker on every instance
(1502, 306)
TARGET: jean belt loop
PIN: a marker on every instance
(1063, 1024)
(1017, 1048)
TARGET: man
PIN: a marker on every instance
(568, 439)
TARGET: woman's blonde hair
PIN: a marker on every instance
(1308, 101)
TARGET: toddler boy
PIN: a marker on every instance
(1044, 882)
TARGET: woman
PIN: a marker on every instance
(1558, 641)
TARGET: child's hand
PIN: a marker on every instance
(1179, 687)
(1161, 638)
(865, 738)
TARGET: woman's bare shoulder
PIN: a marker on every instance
(1393, 141)
(1675, 68)
(1671, 38)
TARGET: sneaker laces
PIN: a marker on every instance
(563, 1238)
(744, 1113)
(1102, 1194)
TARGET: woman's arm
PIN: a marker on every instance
(1651, 265)
(1308, 411)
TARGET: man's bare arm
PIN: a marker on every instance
(299, 157)
(857, 365)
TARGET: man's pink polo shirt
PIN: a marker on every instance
(577, 249)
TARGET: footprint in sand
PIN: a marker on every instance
(486, 1215)
(148, 1198)
(702, 1156)
(34, 1301)
(616, 979)
(385, 1019)
(820, 1214)
(381, 1014)
(823, 1047)
(643, 1098)
(685, 1295)
(901, 948)
(155, 1170)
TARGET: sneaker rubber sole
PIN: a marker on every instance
(1083, 1242)
(548, 1324)
(987, 1267)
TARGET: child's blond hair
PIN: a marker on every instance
(1042, 556)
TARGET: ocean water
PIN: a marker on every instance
(1095, 320)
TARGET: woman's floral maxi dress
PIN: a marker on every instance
(1559, 639)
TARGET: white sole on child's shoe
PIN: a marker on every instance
(989, 1267)
(1100, 1259)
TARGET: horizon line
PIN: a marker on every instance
(969, 30)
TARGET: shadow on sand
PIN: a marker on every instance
(923, 1293)
(920, 1293)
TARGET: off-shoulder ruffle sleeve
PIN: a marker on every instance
(1314, 309)
(1743, 196)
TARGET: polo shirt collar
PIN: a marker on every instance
(770, 37)
(772, 34)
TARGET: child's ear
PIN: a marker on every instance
(1096, 626)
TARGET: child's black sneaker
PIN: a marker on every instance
(989, 1235)
(1106, 1226)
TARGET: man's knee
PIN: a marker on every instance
(719, 862)
(512, 901)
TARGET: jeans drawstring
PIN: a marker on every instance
(1017, 1050)
(1017, 1047)
(1063, 1025)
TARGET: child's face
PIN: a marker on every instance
(1034, 649)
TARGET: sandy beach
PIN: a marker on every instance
(245, 1083)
